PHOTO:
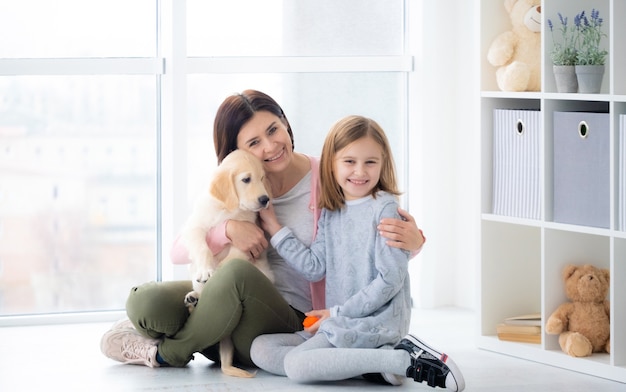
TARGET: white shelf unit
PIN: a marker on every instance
(522, 259)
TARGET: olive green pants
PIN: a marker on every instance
(238, 300)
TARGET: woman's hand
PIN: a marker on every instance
(402, 233)
(322, 315)
(246, 236)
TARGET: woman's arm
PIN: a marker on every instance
(402, 233)
(244, 235)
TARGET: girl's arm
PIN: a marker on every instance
(308, 261)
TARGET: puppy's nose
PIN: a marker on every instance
(263, 200)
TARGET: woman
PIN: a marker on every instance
(238, 300)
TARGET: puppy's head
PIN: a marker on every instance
(239, 182)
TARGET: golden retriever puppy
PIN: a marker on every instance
(237, 191)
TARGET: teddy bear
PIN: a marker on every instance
(517, 53)
(583, 324)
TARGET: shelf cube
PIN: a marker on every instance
(581, 168)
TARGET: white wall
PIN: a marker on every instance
(444, 192)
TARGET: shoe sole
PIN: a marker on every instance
(454, 370)
(393, 379)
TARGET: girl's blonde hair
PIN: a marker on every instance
(342, 133)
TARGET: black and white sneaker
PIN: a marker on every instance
(427, 364)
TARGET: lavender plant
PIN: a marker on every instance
(563, 47)
(590, 36)
(579, 43)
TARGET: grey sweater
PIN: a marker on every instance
(367, 281)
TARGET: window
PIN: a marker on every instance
(99, 169)
(78, 154)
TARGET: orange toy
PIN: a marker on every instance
(309, 320)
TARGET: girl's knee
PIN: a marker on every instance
(296, 367)
(258, 351)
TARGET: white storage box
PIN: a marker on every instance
(516, 165)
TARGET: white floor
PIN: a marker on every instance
(68, 358)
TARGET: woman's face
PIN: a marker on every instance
(266, 136)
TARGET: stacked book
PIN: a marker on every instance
(525, 328)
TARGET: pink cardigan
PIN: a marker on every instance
(217, 240)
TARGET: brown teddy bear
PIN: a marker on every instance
(517, 53)
(583, 323)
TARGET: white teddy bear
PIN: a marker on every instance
(517, 53)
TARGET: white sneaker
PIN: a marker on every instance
(427, 364)
(126, 345)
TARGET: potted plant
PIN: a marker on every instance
(563, 55)
(590, 56)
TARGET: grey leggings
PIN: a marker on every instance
(316, 359)
(238, 300)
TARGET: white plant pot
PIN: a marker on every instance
(565, 77)
(589, 78)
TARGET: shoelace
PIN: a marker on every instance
(136, 350)
(415, 355)
(424, 355)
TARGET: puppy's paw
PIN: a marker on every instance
(202, 276)
(191, 300)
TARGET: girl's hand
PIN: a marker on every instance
(322, 315)
(269, 222)
(246, 236)
(402, 233)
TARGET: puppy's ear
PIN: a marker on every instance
(223, 189)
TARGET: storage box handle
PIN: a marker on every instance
(583, 129)
(520, 127)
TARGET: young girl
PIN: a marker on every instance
(367, 283)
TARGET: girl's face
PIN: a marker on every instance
(357, 167)
(266, 136)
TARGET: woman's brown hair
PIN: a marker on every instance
(237, 110)
(342, 133)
